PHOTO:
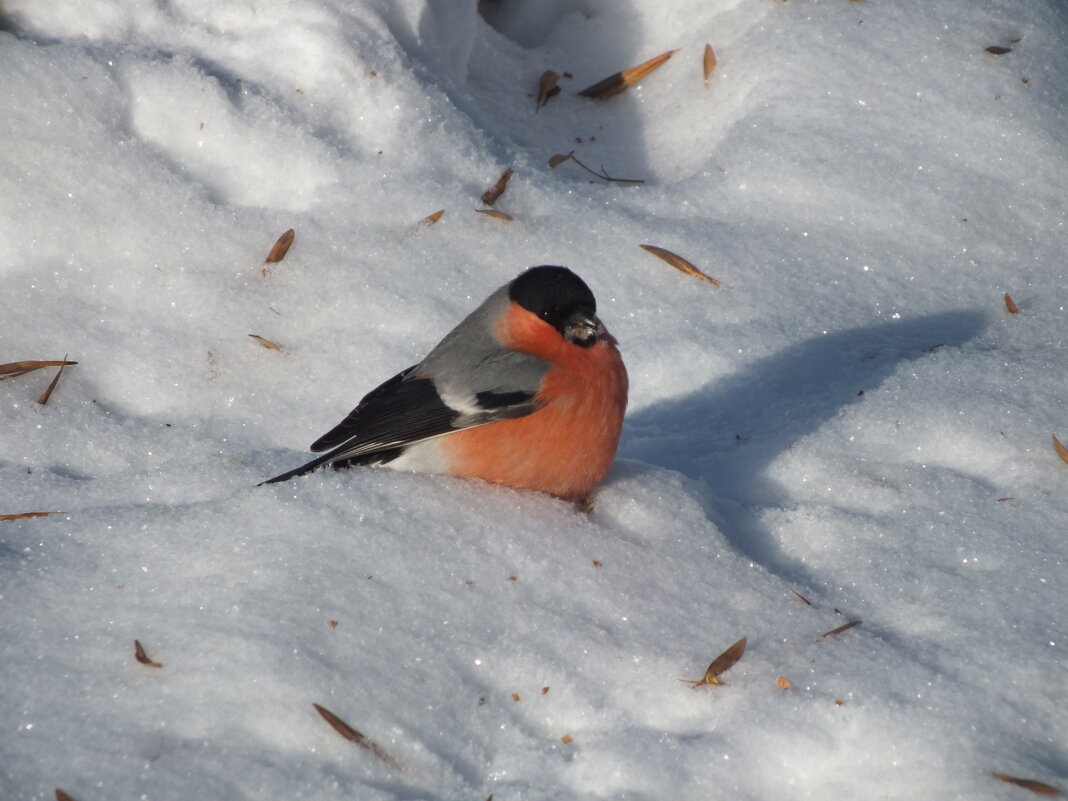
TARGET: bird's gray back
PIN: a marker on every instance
(471, 360)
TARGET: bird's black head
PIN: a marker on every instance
(560, 298)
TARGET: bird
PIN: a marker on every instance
(529, 391)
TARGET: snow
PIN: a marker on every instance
(852, 416)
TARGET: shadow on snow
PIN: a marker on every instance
(725, 434)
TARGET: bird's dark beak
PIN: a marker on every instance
(583, 328)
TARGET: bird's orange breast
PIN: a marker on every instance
(567, 445)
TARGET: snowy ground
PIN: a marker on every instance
(853, 415)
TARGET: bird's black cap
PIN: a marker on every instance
(552, 293)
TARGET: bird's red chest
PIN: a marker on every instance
(567, 445)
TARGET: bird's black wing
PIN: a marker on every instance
(352, 425)
(403, 410)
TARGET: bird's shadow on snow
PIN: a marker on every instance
(725, 434)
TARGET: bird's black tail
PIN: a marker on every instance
(299, 471)
(331, 458)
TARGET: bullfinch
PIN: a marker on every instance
(528, 391)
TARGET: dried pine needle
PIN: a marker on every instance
(709, 62)
(1040, 788)
(25, 515)
(560, 158)
(51, 387)
(802, 597)
(727, 659)
(547, 87)
(678, 263)
(281, 247)
(489, 197)
(1061, 450)
(266, 342)
(721, 664)
(842, 628)
(13, 369)
(142, 657)
(349, 733)
(499, 215)
(618, 81)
